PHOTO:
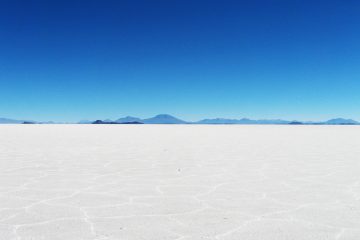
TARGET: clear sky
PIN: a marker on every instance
(67, 60)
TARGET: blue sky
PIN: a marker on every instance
(70, 60)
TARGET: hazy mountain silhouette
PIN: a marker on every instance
(218, 121)
(128, 119)
(340, 121)
(85, 122)
(241, 121)
(13, 121)
(163, 119)
(108, 120)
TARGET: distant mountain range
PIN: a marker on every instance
(168, 119)
(15, 121)
(241, 121)
(158, 119)
(341, 121)
(128, 119)
(11, 121)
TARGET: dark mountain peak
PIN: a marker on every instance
(103, 122)
(98, 122)
(296, 123)
(132, 123)
(28, 122)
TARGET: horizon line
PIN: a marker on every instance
(175, 118)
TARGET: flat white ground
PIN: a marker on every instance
(184, 182)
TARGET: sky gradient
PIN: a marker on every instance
(70, 60)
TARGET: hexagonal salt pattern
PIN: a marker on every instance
(179, 182)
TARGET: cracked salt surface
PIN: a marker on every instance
(179, 182)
